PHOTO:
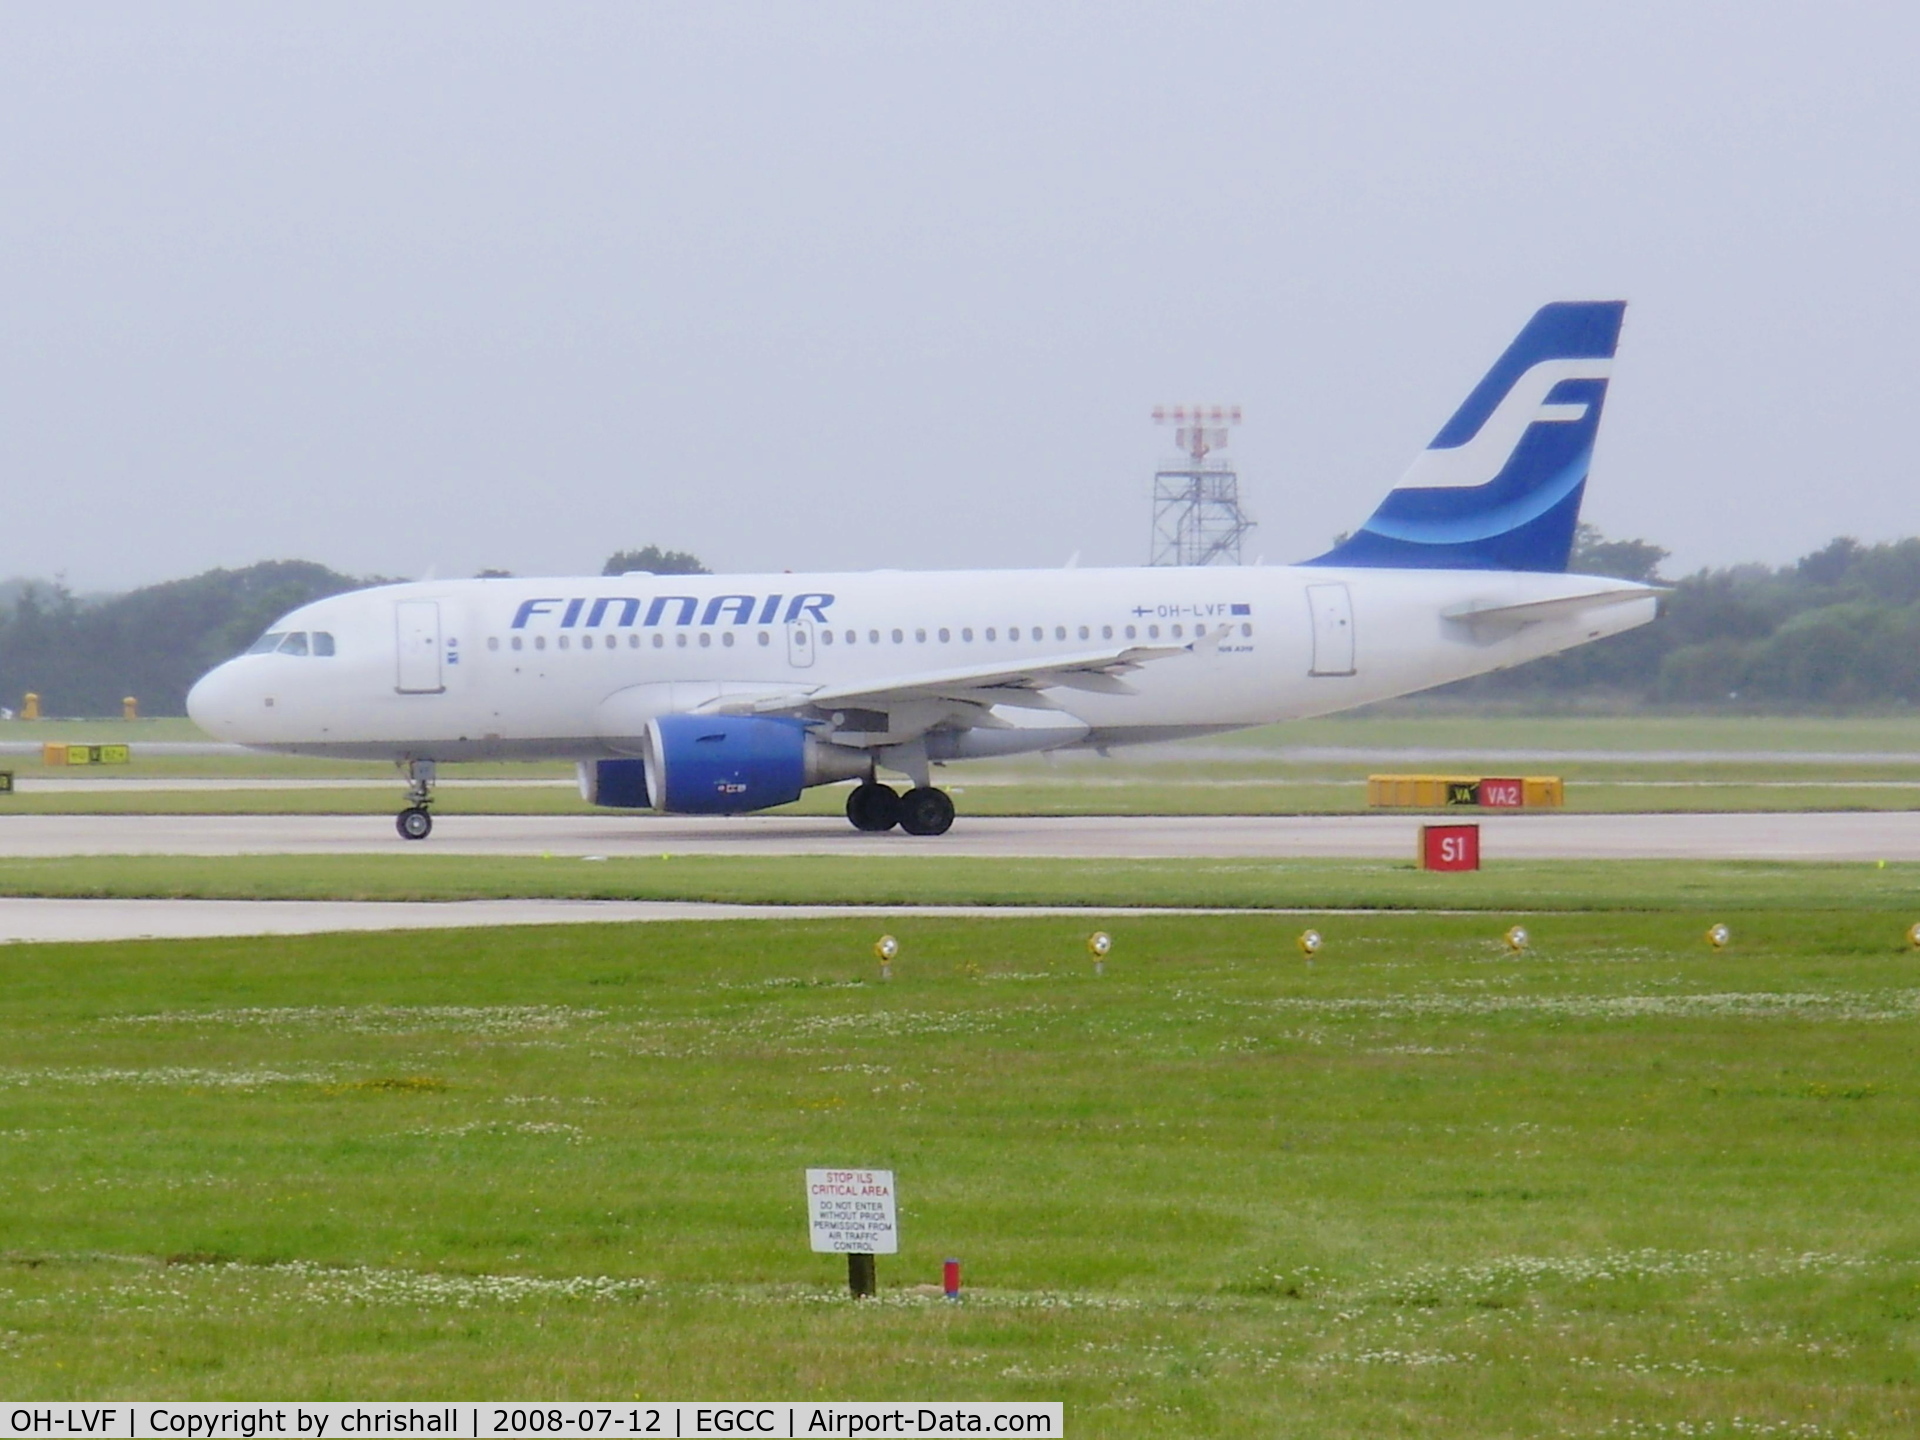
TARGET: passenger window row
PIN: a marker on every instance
(704, 638)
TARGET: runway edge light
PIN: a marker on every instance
(1309, 943)
(1098, 945)
(1517, 939)
(1719, 936)
(884, 950)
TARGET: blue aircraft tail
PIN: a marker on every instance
(1500, 486)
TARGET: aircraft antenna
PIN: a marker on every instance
(1197, 519)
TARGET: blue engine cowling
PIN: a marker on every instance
(724, 764)
(621, 783)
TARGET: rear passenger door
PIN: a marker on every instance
(1333, 648)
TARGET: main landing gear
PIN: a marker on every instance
(923, 810)
(414, 822)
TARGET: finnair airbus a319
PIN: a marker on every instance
(722, 694)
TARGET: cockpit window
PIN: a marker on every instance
(293, 642)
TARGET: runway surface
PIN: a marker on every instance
(24, 921)
(1178, 750)
(1453, 755)
(1884, 835)
(197, 784)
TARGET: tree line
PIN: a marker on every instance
(83, 656)
(1837, 629)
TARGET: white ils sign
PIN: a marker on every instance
(851, 1212)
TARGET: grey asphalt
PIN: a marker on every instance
(176, 748)
(1798, 836)
(1432, 755)
(1289, 754)
(24, 921)
(156, 784)
(1883, 835)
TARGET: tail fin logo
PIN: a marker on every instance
(1479, 460)
(1499, 487)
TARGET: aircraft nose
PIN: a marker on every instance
(214, 703)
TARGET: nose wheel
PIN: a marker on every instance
(414, 823)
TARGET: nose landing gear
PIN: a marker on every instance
(414, 822)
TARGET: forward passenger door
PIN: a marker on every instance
(416, 631)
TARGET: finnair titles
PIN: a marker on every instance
(622, 611)
(721, 695)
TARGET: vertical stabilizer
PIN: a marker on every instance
(1500, 486)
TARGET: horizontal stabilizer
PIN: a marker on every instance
(1560, 607)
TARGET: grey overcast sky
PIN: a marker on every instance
(431, 287)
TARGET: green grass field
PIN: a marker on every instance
(1393, 725)
(1124, 794)
(1620, 1184)
(1518, 885)
(1730, 763)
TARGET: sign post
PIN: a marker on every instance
(55, 752)
(1449, 847)
(1503, 794)
(852, 1213)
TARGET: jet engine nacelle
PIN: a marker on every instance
(620, 783)
(730, 764)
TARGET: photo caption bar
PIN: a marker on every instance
(332, 1420)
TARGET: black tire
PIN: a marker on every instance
(926, 811)
(873, 808)
(413, 823)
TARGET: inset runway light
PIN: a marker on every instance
(1517, 939)
(884, 950)
(1309, 943)
(1098, 944)
(1718, 936)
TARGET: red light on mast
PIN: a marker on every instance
(1200, 429)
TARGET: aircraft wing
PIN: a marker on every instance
(1001, 683)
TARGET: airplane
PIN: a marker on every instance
(727, 694)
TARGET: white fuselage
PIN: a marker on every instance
(573, 668)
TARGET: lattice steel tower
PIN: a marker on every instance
(1197, 519)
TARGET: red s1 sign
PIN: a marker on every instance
(1449, 847)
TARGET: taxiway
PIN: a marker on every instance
(1864, 835)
